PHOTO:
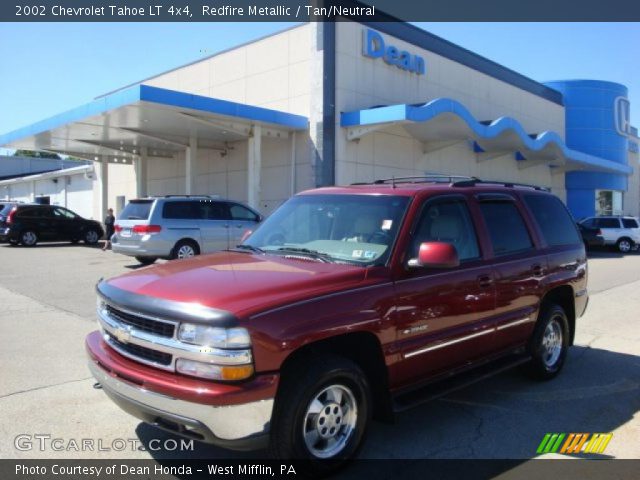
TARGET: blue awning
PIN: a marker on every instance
(445, 120)
(163, 121)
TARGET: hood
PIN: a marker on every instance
(240, 283)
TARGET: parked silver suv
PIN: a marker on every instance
(180, 226)
(622, 233)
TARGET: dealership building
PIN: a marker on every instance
(338, 103)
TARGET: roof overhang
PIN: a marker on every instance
(444, 122)
(120, 125)
(82, 169)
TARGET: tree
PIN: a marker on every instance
(35, 154)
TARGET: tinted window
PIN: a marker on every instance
(63, 213)
(450, 222)
(589, 222)
(238, 212)
(137, 210)
(507, 229)
(214, 210)
(608, 223)
(554, 220)
(6, 208)
(33, 212)
(629, 223)
(181, 210)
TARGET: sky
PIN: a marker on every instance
(49, 68)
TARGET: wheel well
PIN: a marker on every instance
(188, 240)
(564, 297)
(362, 348)
(625, 238)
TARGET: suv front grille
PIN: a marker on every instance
(156, 327)
(143, 353)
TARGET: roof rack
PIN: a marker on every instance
(476, 181)
(431, 178)
(188, 196)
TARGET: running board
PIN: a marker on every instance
(441, 387)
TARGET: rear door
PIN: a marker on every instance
(241, 220)
(38, 219)
(444, 317)
(518, 267)
(214, 225)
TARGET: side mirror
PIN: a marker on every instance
(436, 255)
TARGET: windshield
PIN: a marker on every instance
(359, 229)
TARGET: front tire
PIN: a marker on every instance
(549, 344)
(91, 237)
(624, 245)
(28, 238)
(321, 413)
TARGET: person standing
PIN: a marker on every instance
(109, 222)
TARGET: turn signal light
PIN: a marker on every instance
(144, 229)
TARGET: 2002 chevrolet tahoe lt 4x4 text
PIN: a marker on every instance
(346, 303)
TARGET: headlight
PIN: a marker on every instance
(213, 372)
(101, 306)
(214, 336)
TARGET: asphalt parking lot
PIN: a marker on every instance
(47, 297)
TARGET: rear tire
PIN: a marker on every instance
(321, 414)
(146, 260)
(29, 238)
(549, 344)
(185, 249)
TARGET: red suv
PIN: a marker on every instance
(346, 303)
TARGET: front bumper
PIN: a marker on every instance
(233, 416)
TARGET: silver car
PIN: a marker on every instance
(623, 233)
(180, 226)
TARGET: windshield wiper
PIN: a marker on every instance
(306, 251)
(249, 248)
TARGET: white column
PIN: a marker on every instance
(254, 165)
(190, 162)
(104, 186)
(293, 163)
(140, 166)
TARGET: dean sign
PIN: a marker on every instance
(374, 46)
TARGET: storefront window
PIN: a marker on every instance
(608, 202)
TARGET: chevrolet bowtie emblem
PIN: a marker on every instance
(123, 334)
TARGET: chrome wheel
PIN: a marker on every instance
(185, 251)
(91, 236)
(552, 343)
(29, 238)
(330, 421)
(624, 246)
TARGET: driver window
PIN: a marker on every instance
(447, 221)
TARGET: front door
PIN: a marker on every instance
(444, 317)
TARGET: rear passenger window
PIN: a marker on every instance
(554, 220)
(238, 212)
(608, 223)
(629, 223)
(447, 221)
(29, 213)
(181, 210)
(506, 226)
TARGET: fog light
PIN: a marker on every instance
(213, 372)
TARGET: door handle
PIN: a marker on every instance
(537, 270)
(485, 281)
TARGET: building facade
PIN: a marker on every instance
(345, 102)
